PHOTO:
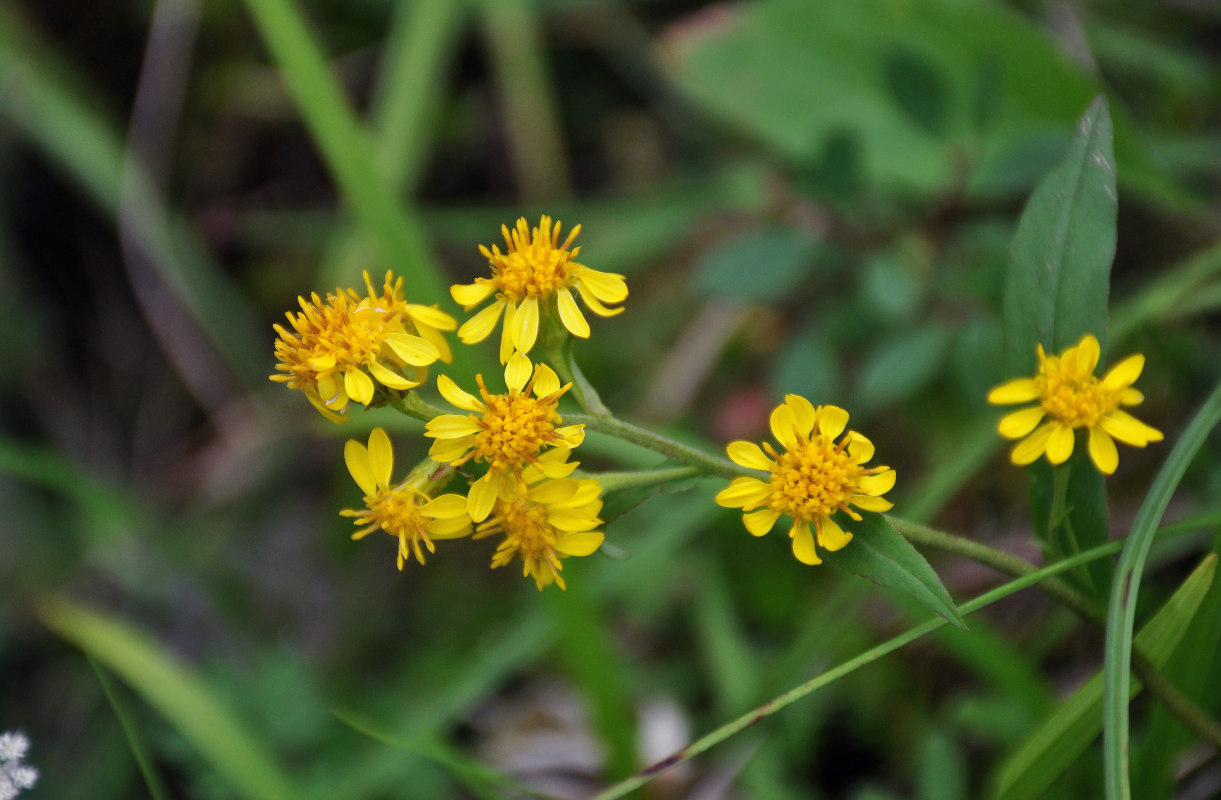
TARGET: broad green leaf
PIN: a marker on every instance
(943, 769)
(901, 366)
(878, 553)
(1057, 283)
(1075, 724)
(760, 265)
(178, 694)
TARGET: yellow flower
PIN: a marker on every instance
(405, 511)
(339, 347)
(1071, 397)
(549, 521)
(507, 432)
(535, 269)
(814, 478)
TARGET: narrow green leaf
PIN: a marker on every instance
(878, 553)
(1121, 610)
(1057, 283)
(1063, 736)
(139, 751)
(177, 693)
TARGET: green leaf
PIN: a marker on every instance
(177, 693)
(1086, 523)
(1057, 283)
(878, 553)
(901, 366)
(1038, 761)
(761, 265)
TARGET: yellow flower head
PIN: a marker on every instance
(405, 511)
(507, 431)
(535, 269)
(812, 479)
(1071, 397)
(551, 520)
(338, 347)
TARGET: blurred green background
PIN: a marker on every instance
(810, 197)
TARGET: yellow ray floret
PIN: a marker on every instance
(1069, 396)
(338, 348)
(550, 520)
(404, 511)
(813, 478)
(506, 431)
(536, 273)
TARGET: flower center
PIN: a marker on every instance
(515, 428)
(332, 337)
(397, 512)
(814, 479)
(537, 272)
(528, 533)
(1078, 401)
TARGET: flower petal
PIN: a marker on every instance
(506, 334)
(447, 451)
(415, 350)
(431, 316)
(606, 286)
(831, 536)
(570, 519)
(761, 521)
(831, 421)
(570, 314)
(876, 485)
(388, 377)
(1019, 423)
(451, 426)
(803, 412)
(517, 372)
(579, 544)
(859, 447)
(358, 385)
(482, 497)
(743, 493)
(458, 397)
(1128, 429)
(592, 302)
(554, 492)
(1060, 444)
(784, 424)
(477, 328)
(1019, 390)
(803, 544)
(1088, 352)
(1131, 397)
(525, 324)
(357, 458)
(381, 457)
(869, 503)
(749, 455)
(447, 506)
(1125, 373)
(1029, 449)
(545, 380)
(453, 527)
(468, 295)
(1102, 451)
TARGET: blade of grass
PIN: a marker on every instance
(345, 147)
(1121, 610)
(1046, 753)
(512, 33)
(134, 740)
(176, 693)
(847, 668)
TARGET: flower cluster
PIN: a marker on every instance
(14, 774)
(512, 447)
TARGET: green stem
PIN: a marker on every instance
(1058, 513)
(1182, 707)
(830, 676)
(557, 341)
(613, 426)
(616, 481)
